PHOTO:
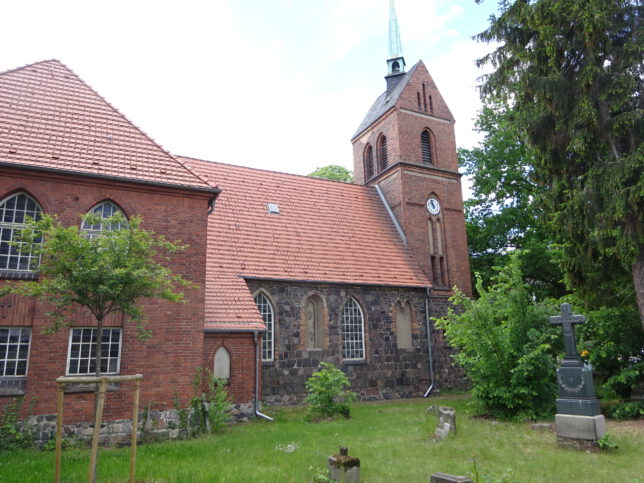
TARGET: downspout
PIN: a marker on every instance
(429, 344)
(257, 367)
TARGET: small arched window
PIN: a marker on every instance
(368, 162)
(265, 308)
(382, 152)
(103, 210)
(222, 364)
(352, 331)
(426, 147)
(14, 212)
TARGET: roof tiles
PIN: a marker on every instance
(326, 231)
(49, 118)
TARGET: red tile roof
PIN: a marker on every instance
(327, 231)
(49, 118)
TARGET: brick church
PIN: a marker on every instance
(289, 270)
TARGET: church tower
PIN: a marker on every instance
(405, 147)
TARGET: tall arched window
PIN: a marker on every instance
(426, 147)
(368, 162)
(14, 211)
(106, 209)
(352, 331)
(265, 308)
(382, 153)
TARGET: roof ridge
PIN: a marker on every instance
(271, 171)
(145, 134)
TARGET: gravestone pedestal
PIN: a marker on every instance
(576, 391)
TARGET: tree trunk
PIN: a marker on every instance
(97, 359)
(638, 280)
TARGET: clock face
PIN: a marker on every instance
(433, 206)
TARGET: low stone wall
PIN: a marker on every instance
(153, 426)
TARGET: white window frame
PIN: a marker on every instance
(268, 340)
(91, 357)
(14, 227)
(3, 354)
(94, 231)
(352, 344)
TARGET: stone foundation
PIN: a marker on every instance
(153, 426)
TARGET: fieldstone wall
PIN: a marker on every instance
(387, 371)
(153, 426)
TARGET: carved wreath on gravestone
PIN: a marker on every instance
(576, 388)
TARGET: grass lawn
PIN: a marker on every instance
(392, 440)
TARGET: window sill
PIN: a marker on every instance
(89, 387)
(12, 386)
(17, 275)
(268, 363)
(358, 362)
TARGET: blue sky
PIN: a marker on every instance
(275, 84)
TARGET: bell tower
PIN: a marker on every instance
(405, 147)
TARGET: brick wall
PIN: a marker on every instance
(167, 359)
(241, 347)
(387, 372)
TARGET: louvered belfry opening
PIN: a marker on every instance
(368, 162)
(426, 147)
(383, 153)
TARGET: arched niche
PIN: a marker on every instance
(314, 323)
(221, 369)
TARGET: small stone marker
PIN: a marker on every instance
(446, 422)
(447, 478)
(343, 467)
(578, 415)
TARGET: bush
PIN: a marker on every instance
(327, 395)
(210, 407)
(507, 346)
(627, 410)
(13, 433)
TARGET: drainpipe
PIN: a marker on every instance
(429, 343)
(257, 369)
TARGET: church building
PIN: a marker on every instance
(289, 270)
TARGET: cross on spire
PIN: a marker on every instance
(395, 59)
(568, 321)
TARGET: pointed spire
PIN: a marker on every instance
(395, 47)
(395, 60)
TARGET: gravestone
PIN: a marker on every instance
(446, 422)
(343, 467)
(447, 478)
(578, 415)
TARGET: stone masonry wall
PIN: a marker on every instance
(387, 371)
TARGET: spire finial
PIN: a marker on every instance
(395, 59)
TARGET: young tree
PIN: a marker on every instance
(102, 272)
(573, 73)
(334, 172)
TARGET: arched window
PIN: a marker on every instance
(14, 211)
(221, 369)
(352, 331)
(268, 315)
(314, 322)
(368, 162)
(106, 209)
(402, 317)
(426, 147)
(382, 152)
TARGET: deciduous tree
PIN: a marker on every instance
(334, 172)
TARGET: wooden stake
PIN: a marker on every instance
(91, 477)
(59, 430)
(135, 425)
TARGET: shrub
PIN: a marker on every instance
(327, 392)
(627, 410)
(210, 407)
(13, 433)
(506, 345)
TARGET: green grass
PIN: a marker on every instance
(392, 440)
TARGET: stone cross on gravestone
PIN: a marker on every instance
(568, 321)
